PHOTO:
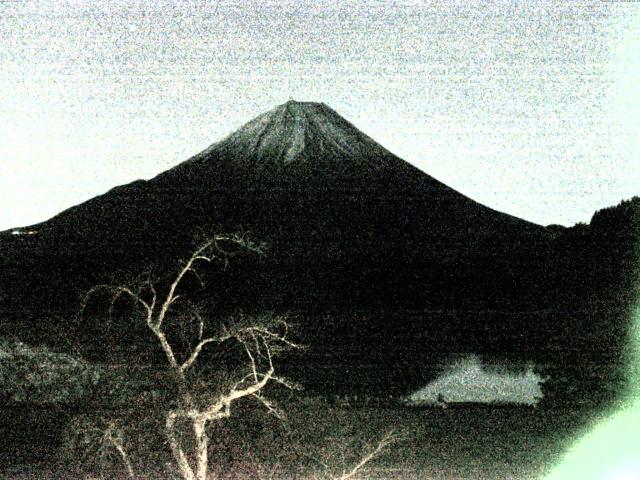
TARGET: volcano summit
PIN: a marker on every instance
(298, 132)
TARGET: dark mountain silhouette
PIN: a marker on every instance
(356, 237)
(306, 181)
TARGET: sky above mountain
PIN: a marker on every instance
(527, 107)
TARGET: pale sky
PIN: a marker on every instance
(529, 107)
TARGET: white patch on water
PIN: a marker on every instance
(467, 381)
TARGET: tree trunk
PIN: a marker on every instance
(202, 442)
(181, 459)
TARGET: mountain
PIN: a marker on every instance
(356, 236)
(303, 179)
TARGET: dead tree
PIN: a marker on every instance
(260, 341)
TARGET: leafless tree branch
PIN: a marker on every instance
(113, 436)
(196, 352)
(384, 442)
(259, 340)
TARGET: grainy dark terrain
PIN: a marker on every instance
(385, 271)
(466, 443)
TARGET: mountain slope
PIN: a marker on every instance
(325, 196)
(353, 232)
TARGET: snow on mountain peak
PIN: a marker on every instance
(296, 132)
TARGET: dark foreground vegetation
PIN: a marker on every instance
(318, 439)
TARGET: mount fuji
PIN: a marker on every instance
(380, 260)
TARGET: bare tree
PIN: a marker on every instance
(260, 341)
(334, 466)
(112, 437)
(368, 456)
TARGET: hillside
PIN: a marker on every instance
(362, 246)
(301, 178)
